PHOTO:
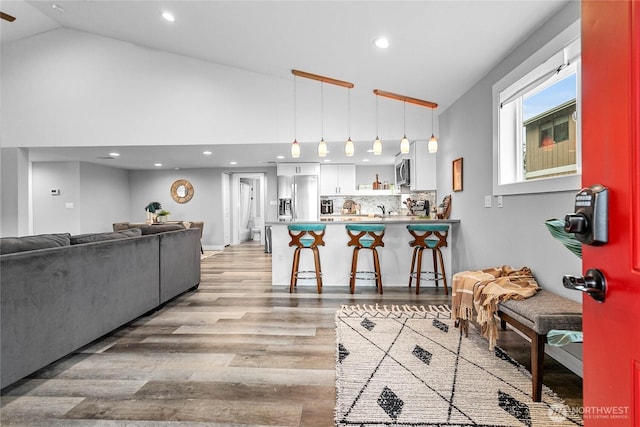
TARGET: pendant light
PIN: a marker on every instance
(348, 146)
(322, 147)
(377, 144)
(432, 147)
(404, 142)
(295, 146)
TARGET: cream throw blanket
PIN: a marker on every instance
(482, 290)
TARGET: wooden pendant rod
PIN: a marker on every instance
(322, 78)
(7, 17)
(408, 99)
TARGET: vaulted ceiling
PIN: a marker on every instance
(438, 49)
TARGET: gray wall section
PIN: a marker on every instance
(206, 204)
(49, 212)
(14, 189)
(515, 234)
(104, 194)
(97, 194)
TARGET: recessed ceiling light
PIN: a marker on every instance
(382, 42)
(114, 154)
(233, 163)
(365, 160)
(207, 153)
(157, 165)
(56, 7)
(327, 160)
(279, 157)
(168, 16)
(370, 150)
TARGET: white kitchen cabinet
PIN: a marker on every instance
(337, 179)
(290, 169)
(422, 168)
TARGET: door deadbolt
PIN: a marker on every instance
(592, 283)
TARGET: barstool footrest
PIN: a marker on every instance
(307, 275)
(436, 276)
(366, 275)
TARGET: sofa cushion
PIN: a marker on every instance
(160, 228)
(10, 245)
(99, 237)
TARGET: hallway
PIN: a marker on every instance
(235, 352)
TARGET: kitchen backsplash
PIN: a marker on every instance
(369, 204)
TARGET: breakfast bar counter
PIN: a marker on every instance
(335, 256)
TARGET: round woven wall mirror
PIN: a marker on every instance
(182, 191)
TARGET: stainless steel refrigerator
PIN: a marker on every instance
(298, 198)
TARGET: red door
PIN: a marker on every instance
(611, 157)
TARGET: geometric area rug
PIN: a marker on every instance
(410, 366)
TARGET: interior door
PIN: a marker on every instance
(611, 157)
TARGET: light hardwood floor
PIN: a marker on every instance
(236, 352)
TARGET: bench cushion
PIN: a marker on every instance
(545, 311)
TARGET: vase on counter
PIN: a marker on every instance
(376, 183)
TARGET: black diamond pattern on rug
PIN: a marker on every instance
(514, 407)
(342, 352)
(441, 325)
(367, 324)
(391, 403)
(422, 354)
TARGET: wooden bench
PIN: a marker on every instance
(535, 317)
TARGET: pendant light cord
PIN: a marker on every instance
(349, 112)
(377, 130)
(322, 111)
(295, 108)
(404, 117)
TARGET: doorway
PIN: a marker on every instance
(247, 196)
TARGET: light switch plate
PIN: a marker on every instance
(500, 202)
(487, 201)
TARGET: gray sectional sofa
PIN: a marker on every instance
(60, 292)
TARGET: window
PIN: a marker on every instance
(536, 121)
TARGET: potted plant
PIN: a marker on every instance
(151, 209)
(163, 215)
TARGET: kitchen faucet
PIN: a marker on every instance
(381, 207)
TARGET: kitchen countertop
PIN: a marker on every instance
(400, 219)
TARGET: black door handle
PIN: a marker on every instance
(593, 283)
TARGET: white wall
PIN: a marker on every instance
(367, 174)
(71, 88)
(514, 235)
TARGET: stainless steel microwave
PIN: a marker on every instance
(403, 173)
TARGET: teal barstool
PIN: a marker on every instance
(428, 236)
(365, 236)
(306, 236)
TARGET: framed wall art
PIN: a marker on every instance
(456, 167)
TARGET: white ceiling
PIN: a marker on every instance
(439, 49)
